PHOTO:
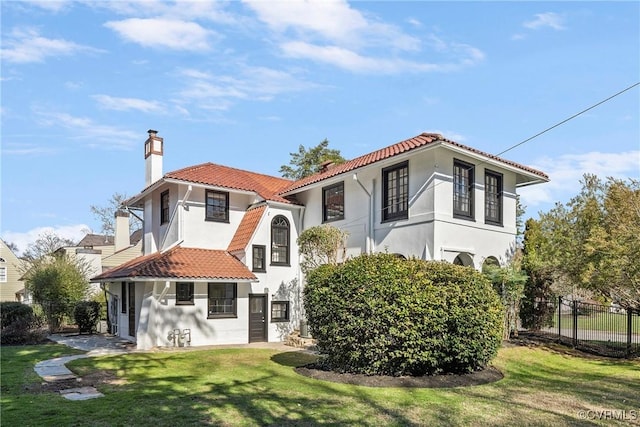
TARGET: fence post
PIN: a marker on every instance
(629, 324)
(559, 319)
(575, 323)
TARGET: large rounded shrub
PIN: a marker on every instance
(382, 315)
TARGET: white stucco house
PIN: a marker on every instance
(221, 265)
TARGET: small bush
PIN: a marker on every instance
(87, 315)
(19, 324)
(381, 315)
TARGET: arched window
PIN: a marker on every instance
(490, 261)
(464, 259)
(280, 241)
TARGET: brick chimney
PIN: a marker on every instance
(121, 239)
(153, 150)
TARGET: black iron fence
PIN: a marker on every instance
(607, 330)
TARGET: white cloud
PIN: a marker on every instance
(219, 91)
(335, 21)
(353, 61)
(565, 173)
(449, 134)
(160, 32)
(128, 104)
(54, 6)
(27, 45)
(547, 19)
(334, 33)
(14, 149)
(23, 239)
(96, 135)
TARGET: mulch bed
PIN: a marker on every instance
(485, 376)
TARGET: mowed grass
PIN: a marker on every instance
(542, 386)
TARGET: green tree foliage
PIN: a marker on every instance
(382, 315)
(538, 303)
(593, 242)
(57, 283)
(19, 324)
(309, 161)
(322, 244)
(509, 282)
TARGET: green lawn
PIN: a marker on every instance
(542, 386)
(613, 322)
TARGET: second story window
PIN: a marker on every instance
(217, 206)
(395, 192)
(493, 198)
(164, 207)
(462, 190)
(280, 241)
(259, 258)
(333, 202)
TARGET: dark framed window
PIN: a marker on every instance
(333, 202)
(123, 297)
(259, 258)
(164, 207)
(493, 197)
(395, 192)
(184, 293)
(217, 206)
(222, 298)
(280, 241)
(462, 189)
(280, 311)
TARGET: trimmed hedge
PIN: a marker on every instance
(19, 324)
(382, 315)
(87, 314)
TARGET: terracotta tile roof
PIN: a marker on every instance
(268, 187)
(418, 141)
(181, 263)
(246, 229)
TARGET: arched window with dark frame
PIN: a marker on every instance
(280, 241)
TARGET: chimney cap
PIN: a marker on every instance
(152, 132)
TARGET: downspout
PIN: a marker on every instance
(369, 242)
(167, 285)
(183, 203)
(299, 272)
(112, 295)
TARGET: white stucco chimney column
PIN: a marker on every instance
(121, 238)
(153, 150)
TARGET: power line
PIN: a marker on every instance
(569, 118)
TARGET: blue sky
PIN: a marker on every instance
(245, 83)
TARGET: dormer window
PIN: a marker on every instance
(217, 206)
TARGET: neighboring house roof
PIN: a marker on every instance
(181, 263)
(410, 144)
(212, 174)
(136, 236)
(246, 229)
(95, 240)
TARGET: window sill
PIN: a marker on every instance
(222, 316)
(325, 221)
(465, 217)
(397, 218)
(225, 221)
(279, 320)
(264, 270)
(185, 303)
(280, 265)
(495, 223)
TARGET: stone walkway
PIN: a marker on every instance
(95, 345)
